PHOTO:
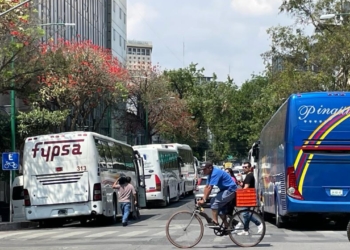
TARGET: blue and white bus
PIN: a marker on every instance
(304, 158)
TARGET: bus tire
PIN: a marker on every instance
(115, 210)
(178, 194)
(348, 231)
(166, 199)
(278, 218)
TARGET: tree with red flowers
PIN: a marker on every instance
(19, 37)
(81, 77)
(152, 103)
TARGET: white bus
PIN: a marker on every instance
(69, 176)
(162, 173)
(187, 169)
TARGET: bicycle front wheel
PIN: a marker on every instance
(184, 229)
(247, 234)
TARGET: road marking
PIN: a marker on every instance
(290, 232)
(68, 234)
(101, 234)
(162, 233)
(330, 233)
(5, 235)
(132, 233)
(36, 235)
(219, 239)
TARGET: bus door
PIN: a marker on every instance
(140, 173)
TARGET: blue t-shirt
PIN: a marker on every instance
(221, 179)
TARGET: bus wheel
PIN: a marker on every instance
(166, 199)
(348, 231)
(114, 211)
(178, 194)
(278, 219)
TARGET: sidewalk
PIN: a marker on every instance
(6, 226)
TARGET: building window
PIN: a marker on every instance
(124, 18)
(120, 13)
(120, 40)
(124, 45)
(114, 4)
(114, 34)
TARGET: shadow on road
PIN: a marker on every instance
(313, 224)
(231, 246)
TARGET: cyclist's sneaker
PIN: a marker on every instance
(260, 228)
(213, 225)
(243, 233)
(239, 226)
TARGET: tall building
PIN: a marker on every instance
(101, 21)
(138, 52)
(89, 17)
(116, 23)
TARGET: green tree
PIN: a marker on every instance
(40, 121)
(167, 115)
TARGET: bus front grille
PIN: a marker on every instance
(54, 179)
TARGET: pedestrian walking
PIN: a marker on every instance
(126, 193)
(249, 182)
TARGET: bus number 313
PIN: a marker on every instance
(81, 168)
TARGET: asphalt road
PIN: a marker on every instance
(149, 233)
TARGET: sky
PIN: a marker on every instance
(226, 37)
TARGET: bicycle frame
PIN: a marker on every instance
(209, 220)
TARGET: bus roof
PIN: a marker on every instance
(307, 95)
(142, 147)
(72, 134)
(165, 145)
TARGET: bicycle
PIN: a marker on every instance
(234, 231)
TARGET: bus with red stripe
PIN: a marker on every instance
(304, 159)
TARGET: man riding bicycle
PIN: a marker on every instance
(221, 179)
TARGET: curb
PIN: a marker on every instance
(17, 225)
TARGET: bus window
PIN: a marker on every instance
(128, 157)
(108, 155)
(117, 156)
(101, 153)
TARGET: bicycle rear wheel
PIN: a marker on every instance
(251, 236)
(184, 229)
